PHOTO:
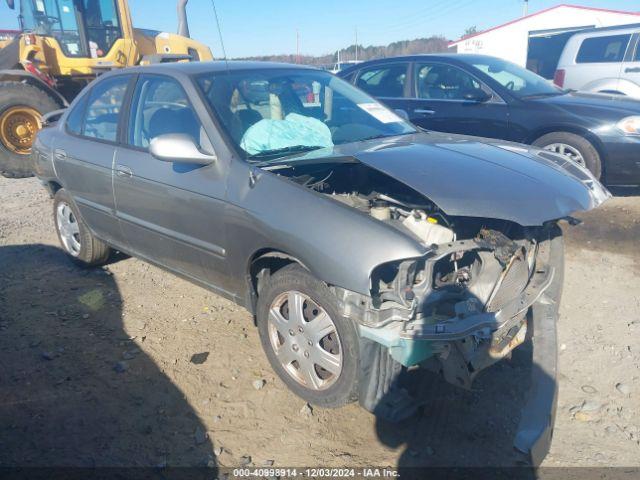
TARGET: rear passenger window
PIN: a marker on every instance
(76, 117)
(609, 49)
(384, 81)
(103, 111)
(160, 106)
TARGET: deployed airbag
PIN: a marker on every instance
(294, 130)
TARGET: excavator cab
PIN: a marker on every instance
(82, 28)
(61, 47)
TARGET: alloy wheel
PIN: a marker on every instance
(568, 151)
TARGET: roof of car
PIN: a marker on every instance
(629, 26)
(195, 68)
(456, 57)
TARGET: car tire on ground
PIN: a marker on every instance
(300, 346)
(575, 146)
(74, 236)
(21, 106)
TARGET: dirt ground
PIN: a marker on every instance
(128, 365)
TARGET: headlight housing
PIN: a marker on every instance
(629, 125)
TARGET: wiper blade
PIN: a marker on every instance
(385, 135)
(291, 149)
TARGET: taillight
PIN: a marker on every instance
(558, 77)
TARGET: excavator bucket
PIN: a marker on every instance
(10, 55)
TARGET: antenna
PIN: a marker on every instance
(525, 8)
(224, 51)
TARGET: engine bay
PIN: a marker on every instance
(475, 265)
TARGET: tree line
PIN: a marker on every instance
(433, 44)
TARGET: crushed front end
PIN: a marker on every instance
(466, 305)
(491, 275)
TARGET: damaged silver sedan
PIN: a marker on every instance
(363, 246)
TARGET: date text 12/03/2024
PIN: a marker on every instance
(292, 473)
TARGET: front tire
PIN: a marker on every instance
(21, 109)
(310, 345)
(577, 148)
(75, 238)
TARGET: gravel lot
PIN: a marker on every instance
(128, 365)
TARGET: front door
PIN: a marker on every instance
(439, 102)
(84, 155)
(170, 213)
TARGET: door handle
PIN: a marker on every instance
(632, 70)
(60, 154)
(424, 111)
(124, 171)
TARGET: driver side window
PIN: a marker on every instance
(437, 81)
(160, 106)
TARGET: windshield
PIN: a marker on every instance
(277, 112)
(520, 81)
(83, 28)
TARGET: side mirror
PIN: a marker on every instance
(477, 95)
(179, 148)
(402, 113)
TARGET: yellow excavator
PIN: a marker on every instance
(61, 46)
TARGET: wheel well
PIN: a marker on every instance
(595, 141)
(263, 264)
(53, 187)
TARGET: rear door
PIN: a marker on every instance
(84, 154)
(630, 71)
(388, 82)
(171, 213)
(438, 102)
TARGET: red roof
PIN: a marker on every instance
(580, 7)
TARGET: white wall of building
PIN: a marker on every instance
(511, 41)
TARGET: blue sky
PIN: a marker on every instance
(257, 27)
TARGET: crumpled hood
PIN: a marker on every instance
(467, 176)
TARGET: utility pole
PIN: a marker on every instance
(297, 46)
(525, 8)
(356, 44)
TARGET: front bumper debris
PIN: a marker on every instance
(533, 314)
(537, 418)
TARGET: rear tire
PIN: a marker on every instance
(574, 143)
(75, 238)
(287, 351)
(17, 103)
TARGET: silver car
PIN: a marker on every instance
(363, 246)
(602, 60)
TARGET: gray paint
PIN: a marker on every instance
(208, 222)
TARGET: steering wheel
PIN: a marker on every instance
(510, 85)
